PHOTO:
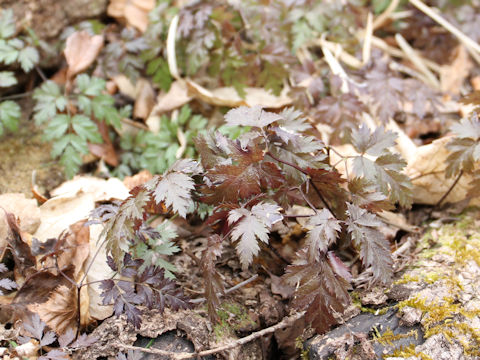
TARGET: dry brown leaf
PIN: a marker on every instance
(144, 99)
(426, 168)
(29, 350)
(125, 86)
(37, 289)
(228, 96)
(134, 12)
(81, 51)
(19, 247)
(59, 312)
(99, 270)
(183, 91)
(138, 179)
(26, 210)
(176, 97)
(452, 76)
(106, 150)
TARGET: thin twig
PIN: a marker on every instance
(367, 42)
(228, 291)
(393, 51)
(380, 20)
(469, 42)
(16, 96)
(40, 72)
(245, 340)
(306, 200)
(417, 61)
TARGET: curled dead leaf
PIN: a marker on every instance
(144, 99)
(427, 167)
(25, 210)
(81, 51)
(133, 12)
(176, 97)
(59, 312)
(183, 91)
(228, 96)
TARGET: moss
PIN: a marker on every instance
(388, 337)
(299, 344)
(233, 316)
(446, 316)
(408, 351)
(358, 303)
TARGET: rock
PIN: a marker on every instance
(322, 347)
(375, 297)
(410, 316)
(438, 347)
(49, 17)
(169, 341)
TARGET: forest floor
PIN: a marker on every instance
(394, 66)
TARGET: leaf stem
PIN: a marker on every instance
(309, 180)
(446, 194)
(233, 288)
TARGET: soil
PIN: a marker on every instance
(24, 155)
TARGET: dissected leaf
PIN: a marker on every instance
(250, 226)
(28, 58)
(148, 287)
(319, 291)
(324, 232)
(10, 114)
(374, 248)
(211, 277)
(254, 116)
(386, 170)
(242, 174)
(373, 143)
(365, 195)
(7, 78)
(174, 188)
(465, 148)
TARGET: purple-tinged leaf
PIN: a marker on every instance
(212, 279)
(48, 338)
(174, 189)
(252, 225)
(374, 248)
(338, 266)
(324, 232)
(66, 339)
(35, 326)
(55, 355)
(83, 340)
(7, 284)
(318, 291)
(374, 144)
(251, 116)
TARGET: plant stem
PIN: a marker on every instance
(446, 194)
(233, 288)
(309, 180)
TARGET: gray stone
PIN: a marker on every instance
(321, 347)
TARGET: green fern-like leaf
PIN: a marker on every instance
(10, 113)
